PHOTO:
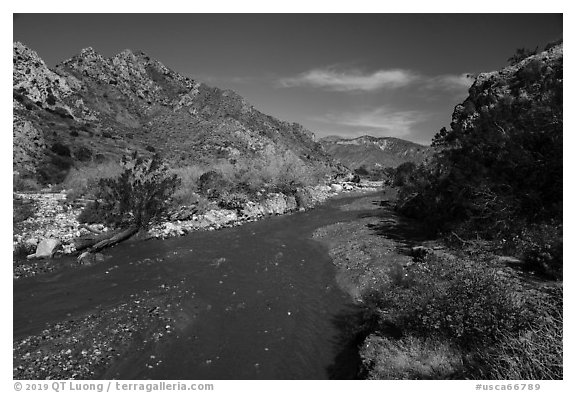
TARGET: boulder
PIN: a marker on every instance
(336, 187)
(46, 249)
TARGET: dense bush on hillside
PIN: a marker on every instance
(497, 176)
(502, 171)
(137, 197)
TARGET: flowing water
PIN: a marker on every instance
(263, 302)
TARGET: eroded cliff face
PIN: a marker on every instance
(112, 106)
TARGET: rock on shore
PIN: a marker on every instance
(56, 219)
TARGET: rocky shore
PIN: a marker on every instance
(55, 219)
(85, 346)
(362, 256)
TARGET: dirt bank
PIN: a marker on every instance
(363, 256)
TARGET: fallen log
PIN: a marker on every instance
(115, 239)
(84, 242)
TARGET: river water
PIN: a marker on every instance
(263, 302)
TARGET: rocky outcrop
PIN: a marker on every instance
(28, 145)
(529, 81)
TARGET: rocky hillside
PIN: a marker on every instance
(370, 151)
(535, 81)
(93, 109)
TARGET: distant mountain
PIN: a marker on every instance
(90, 108)
(371, 151)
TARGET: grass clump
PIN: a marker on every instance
(410, 358)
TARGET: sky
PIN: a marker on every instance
(396, 75)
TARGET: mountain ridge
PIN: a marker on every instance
(370, 151)
(112, 106)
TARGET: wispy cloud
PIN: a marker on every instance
(383, 120)
(332, 79)
(350, 80)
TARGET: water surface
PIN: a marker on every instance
(261, 301)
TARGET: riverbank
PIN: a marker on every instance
(54, 217)
(257, 301)
(362, 258)
(432, 312)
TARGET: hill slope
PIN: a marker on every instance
(90, 108)
(371, 151)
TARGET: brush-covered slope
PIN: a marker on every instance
(90, 108)
(370, 151)
(499, 167)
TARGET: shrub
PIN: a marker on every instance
(54, 168)
(212, 184)
(61, 149)
(403, 173)
(304, 198)
(540, 246)
(22, 209)
(83, 154)
(139, 196)
(521, 54)
(186, 194)
(51, 100)
(22, 183)
(465, 302)
(362, 171)
(100, 158)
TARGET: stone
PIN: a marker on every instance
(86, 258)
(46, 249)
(336, 187)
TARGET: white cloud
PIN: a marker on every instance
(385, 120)
(351, 80)
(354, 80)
